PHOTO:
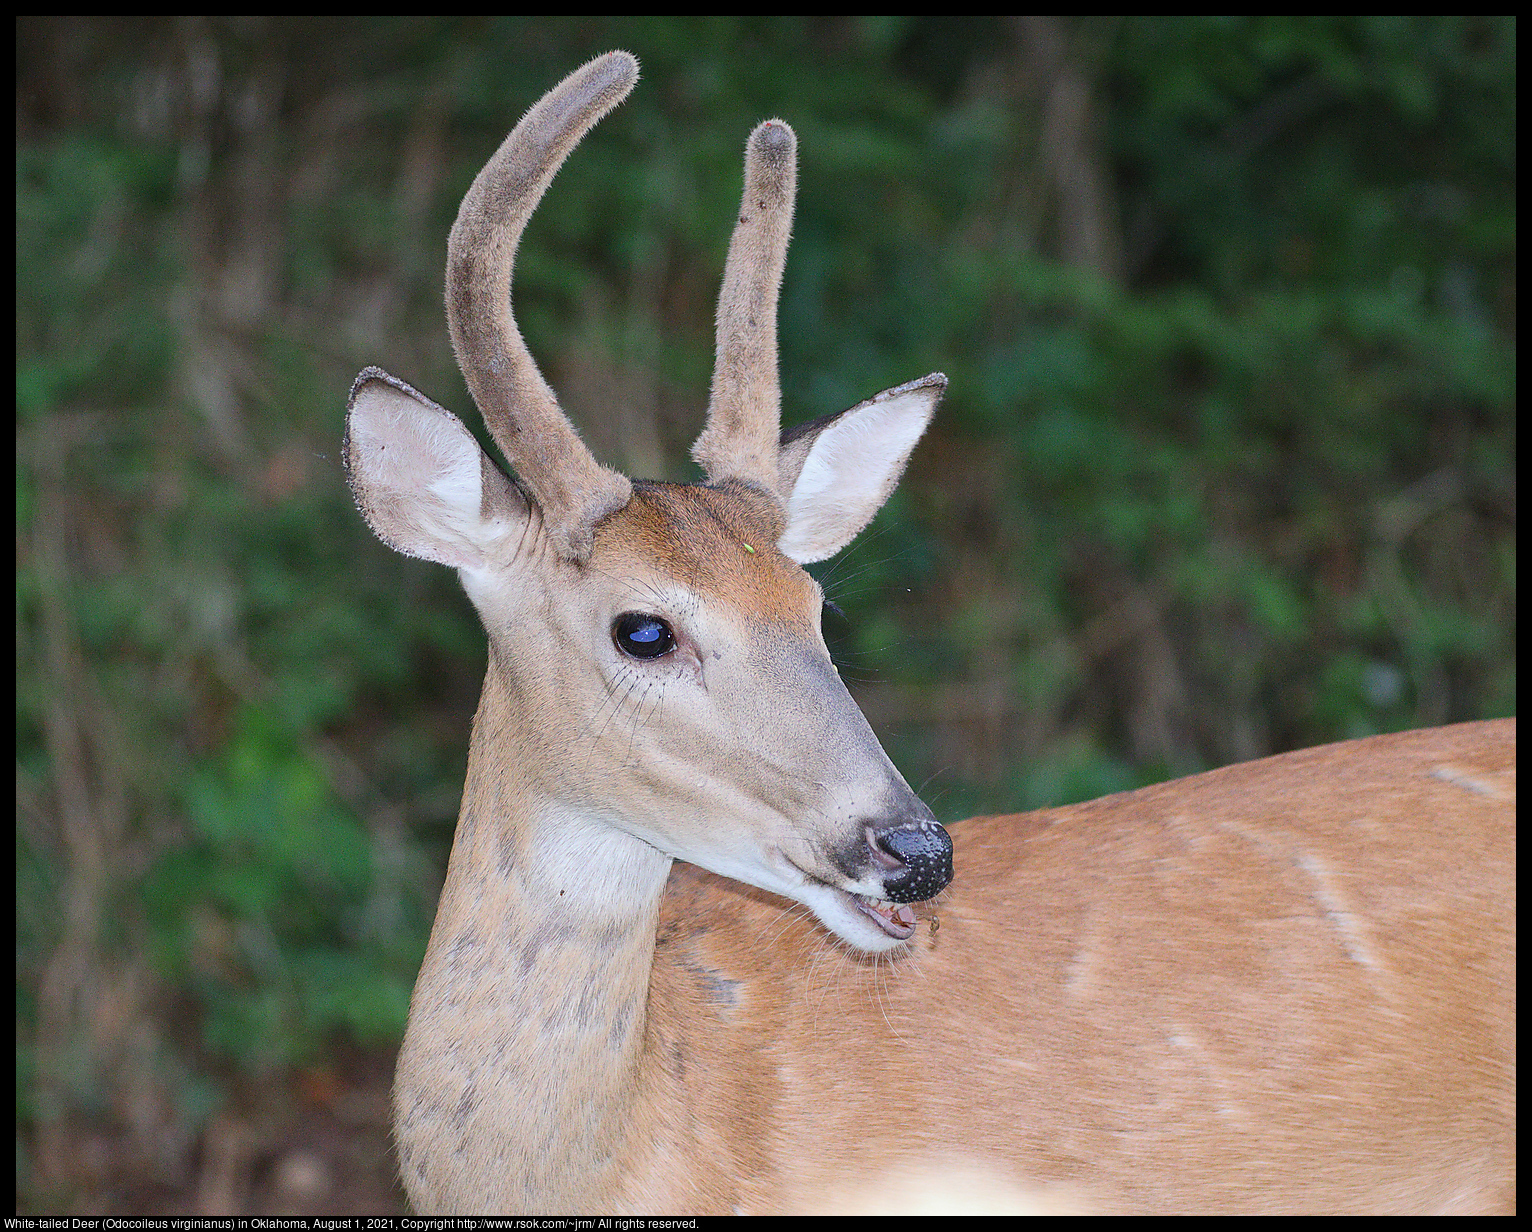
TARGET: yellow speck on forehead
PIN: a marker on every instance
(695, 533)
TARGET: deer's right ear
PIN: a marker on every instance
(420, 479)
(836, 472)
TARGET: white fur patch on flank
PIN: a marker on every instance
(1461, 778)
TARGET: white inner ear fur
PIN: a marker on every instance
(418, 476)
(850, 470)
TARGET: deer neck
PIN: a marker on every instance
(523, 1064)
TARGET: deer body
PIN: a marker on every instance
(713, 1052)
(1280, 987)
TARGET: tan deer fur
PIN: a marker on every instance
(1281, 987)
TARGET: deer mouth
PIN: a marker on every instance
(841, 911)
(895, 919)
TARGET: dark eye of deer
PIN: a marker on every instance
(643, 637)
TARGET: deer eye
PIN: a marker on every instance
(641, 636)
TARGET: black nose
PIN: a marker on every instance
(921, 865)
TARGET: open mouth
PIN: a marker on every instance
(895, 919)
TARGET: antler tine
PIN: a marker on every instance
(744, 413)
(573, 490)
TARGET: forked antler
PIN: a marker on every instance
(744, 412)
(572, 489)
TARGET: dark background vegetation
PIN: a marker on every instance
(1228, 307)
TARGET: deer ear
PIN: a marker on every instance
(838, 471)
(421, 480)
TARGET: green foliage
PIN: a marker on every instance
(1225, 467)
(270, 912)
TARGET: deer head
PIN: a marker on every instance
(656, 666)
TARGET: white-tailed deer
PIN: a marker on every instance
(1283, 986)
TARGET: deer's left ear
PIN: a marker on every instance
(421, 480)
(837, 471)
